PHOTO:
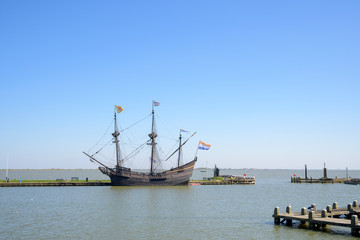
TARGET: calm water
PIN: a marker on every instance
(197, 212)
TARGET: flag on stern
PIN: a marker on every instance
(182, 130)
(204, 146)
(156, 103)
(118, 109)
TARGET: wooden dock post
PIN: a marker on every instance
(311, 218)
(355, 204)
(276, 214)
(324, 215)
(349, 207)
(335, 205)
(354, 222)
(303, 211)
(288, 211)
(328, 208)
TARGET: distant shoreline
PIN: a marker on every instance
(201, 168)
(52, 169)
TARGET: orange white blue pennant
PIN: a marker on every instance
(204, 146)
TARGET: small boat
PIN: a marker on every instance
(123, 176)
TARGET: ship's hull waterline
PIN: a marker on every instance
(173, 177)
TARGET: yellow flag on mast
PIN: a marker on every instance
(118, 109)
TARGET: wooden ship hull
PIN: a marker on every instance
(173, 177)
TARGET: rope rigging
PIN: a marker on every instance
(133, 153)
(135, 123)
(102, 135)
(111, 123)
(108, 143)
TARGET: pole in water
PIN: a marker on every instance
(7, 168)
(325, 172)
(306, 177)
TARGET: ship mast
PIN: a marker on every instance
(152, 135)
(179, 149)
(116, 141)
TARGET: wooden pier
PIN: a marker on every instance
(321, 218)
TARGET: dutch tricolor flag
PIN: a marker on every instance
(204, 146)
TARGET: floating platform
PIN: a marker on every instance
(321, 218)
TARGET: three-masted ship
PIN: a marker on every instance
(123, 176)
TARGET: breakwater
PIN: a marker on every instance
(318, 180)
(244, 181)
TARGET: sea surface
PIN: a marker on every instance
(188, 212)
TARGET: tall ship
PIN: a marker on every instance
(155, 176)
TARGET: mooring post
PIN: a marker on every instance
(355, 204)
(354, 222)
(288, 211)
(324, 213)
(335, 205)
(311, 218)
(303, 211)
(329, 210)
(349, 207)
(276, 216)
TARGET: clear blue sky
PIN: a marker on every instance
(269, 84)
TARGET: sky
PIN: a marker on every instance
(269, 84)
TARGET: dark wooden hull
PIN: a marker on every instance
(173, 177)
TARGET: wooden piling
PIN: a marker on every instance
(276, 216)
(335, 205)
(354, 222)
(288, 211)
(311, 218)
(303, 211)
(328, 208)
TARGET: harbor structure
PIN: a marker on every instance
(324, 179)
(321, 218)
